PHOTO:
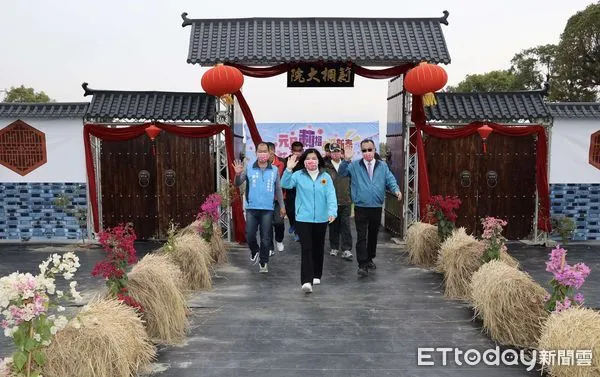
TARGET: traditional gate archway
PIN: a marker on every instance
(509, 181)
(151, 184)
(266, 47)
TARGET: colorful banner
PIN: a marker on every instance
(313, 135)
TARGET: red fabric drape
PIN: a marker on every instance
(131, 132)
(468, 130)
(254, 134)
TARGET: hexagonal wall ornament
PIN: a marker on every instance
(595, 149)
(22, 147)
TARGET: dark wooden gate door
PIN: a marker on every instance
(186, 176)
(507, 183)
(499, 183)
(153, 191)
(128, 184)
(452, 169)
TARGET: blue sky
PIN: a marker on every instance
(140, 45)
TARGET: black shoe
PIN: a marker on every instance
(371, 265)
(362, 270)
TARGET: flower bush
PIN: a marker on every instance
(208, 215)
(441, 211)
(567, 279)
(118, 243)
(26, 304)
(492, 238)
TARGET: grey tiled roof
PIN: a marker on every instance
(492, 106)
(164, 106)
(270, 41)
(574, 109)
(43, 110)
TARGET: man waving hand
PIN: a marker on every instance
(370, 179)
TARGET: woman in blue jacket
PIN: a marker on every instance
(316, 206)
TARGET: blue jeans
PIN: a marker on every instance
(264, 219)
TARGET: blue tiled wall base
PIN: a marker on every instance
(27, 210)
(581, 202)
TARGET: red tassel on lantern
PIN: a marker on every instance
(152, 131)
(484, 131)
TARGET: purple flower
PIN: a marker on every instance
(578, 298)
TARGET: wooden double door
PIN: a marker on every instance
(151, 190)
(500, 183)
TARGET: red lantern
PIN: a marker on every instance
(222, 80)
(152, 131)
(424, 80)
(484, 131)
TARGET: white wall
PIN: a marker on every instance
(64, 147)
(569, 154)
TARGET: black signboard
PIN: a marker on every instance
(324, 75)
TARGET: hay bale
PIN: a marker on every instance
(510, 303)
(422, 244)
(459, 257)
(574, 329)
(192, 228)
(111, 341)
(155, 282)
(192, 255)
(217, 246)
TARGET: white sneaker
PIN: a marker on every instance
(347, 255)
(306, 288)
(263, 268)
(279, 246)
(316, 281)
(333, 252)
(271, 253)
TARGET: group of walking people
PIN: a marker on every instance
(315, 193)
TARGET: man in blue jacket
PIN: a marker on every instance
(370, 179)
(262, 185)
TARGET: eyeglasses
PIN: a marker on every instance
(367, 150)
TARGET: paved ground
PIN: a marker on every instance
(255, 324)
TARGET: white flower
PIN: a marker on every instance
(37, 337)
(76, 324)
(60, 309)
(46, 343)
(60, 323)
(59, 294)
(73, 284)
(53, 330)
(68, 276)
(10, 331)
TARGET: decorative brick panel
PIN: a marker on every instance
(22, 147)
(580, 202)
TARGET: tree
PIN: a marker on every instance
(578, 57)
(23, 94)
(572, 67)
(494, 81)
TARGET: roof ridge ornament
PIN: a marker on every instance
(546, 85)
(444, 19)
(186, 20)
(87, 91)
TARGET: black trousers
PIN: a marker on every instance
(312, 243)
(340, 230)
(290, 209)
(368, 221)
(278, 226)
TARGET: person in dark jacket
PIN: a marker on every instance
(290, 194)
(339, 230)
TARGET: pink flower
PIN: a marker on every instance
(578, 298)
